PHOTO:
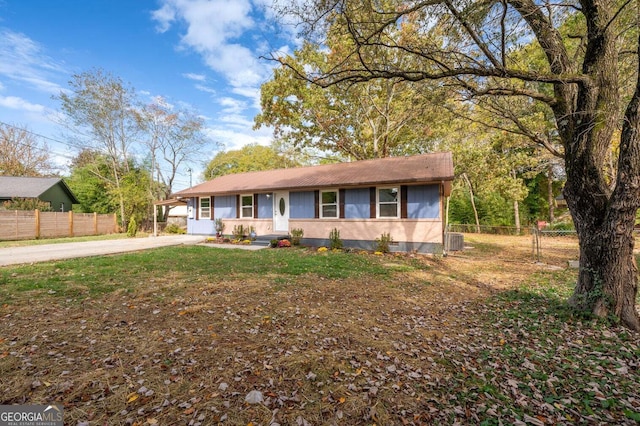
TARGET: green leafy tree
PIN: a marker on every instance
(376, 119)
(88, 181)
(99, 109)
(588, 82)
(96, 193)
(250, 158)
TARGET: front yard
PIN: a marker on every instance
(203, 335)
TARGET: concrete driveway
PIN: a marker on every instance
(48, 252)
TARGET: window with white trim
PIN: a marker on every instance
(328, 204)
(246, 203)
(388, 205)
(205, 208)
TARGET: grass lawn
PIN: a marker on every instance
(203, 335)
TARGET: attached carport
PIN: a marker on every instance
(168, 202)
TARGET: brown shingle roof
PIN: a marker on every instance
(394, 170)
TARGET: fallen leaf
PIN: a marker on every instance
(254, 397)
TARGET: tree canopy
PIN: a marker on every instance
(250, 158)
(564, 75)
(21, 154)
(129, 150)
(376, 119)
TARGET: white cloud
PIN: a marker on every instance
(193, 76)
(23, 60)
(240, 122)
(213, 29)
(206, 89)
(164, 17)
(232, 139)
(229, 36)
(232, 105)
(17, 103)
(249, 92)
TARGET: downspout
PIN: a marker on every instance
(445, 246)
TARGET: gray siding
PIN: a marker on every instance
(265, 207)
(200, 227)
(224, 207)
(356, 203)
(301, 205)
(423, 202)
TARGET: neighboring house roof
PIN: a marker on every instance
(30, 187)
(424, 168)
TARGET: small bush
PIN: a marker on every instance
(239, 232)
(296, 236)
(219, 225)
(284, 243)
(27, 204)
(335, 242)
(173, 228)
(132, 227)
(382, 243)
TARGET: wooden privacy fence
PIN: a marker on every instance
(26, 225)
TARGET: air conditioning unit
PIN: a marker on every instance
(454, 241)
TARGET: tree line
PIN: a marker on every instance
(128, 153)
(559, 76)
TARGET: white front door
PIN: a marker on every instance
(281, 212)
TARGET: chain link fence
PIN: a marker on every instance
(485, 229)
(543, 245)
(547, 239)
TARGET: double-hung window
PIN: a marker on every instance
(388, 202)
(329, 204)
(205, 208)
(246, 202)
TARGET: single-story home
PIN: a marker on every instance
(400, 196)
(49, 190)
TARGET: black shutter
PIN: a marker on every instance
(372, 202)
(238, 206)
(341, 203)
(403, 201)
(211, 207)
(316, 204)
(255, 206)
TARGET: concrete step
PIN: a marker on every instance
(266, 239)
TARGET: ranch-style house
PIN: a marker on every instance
(400, 196)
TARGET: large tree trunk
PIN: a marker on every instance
(516, 214)
(607, 281)
(604, 218)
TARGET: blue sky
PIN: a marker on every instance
(197, 54)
